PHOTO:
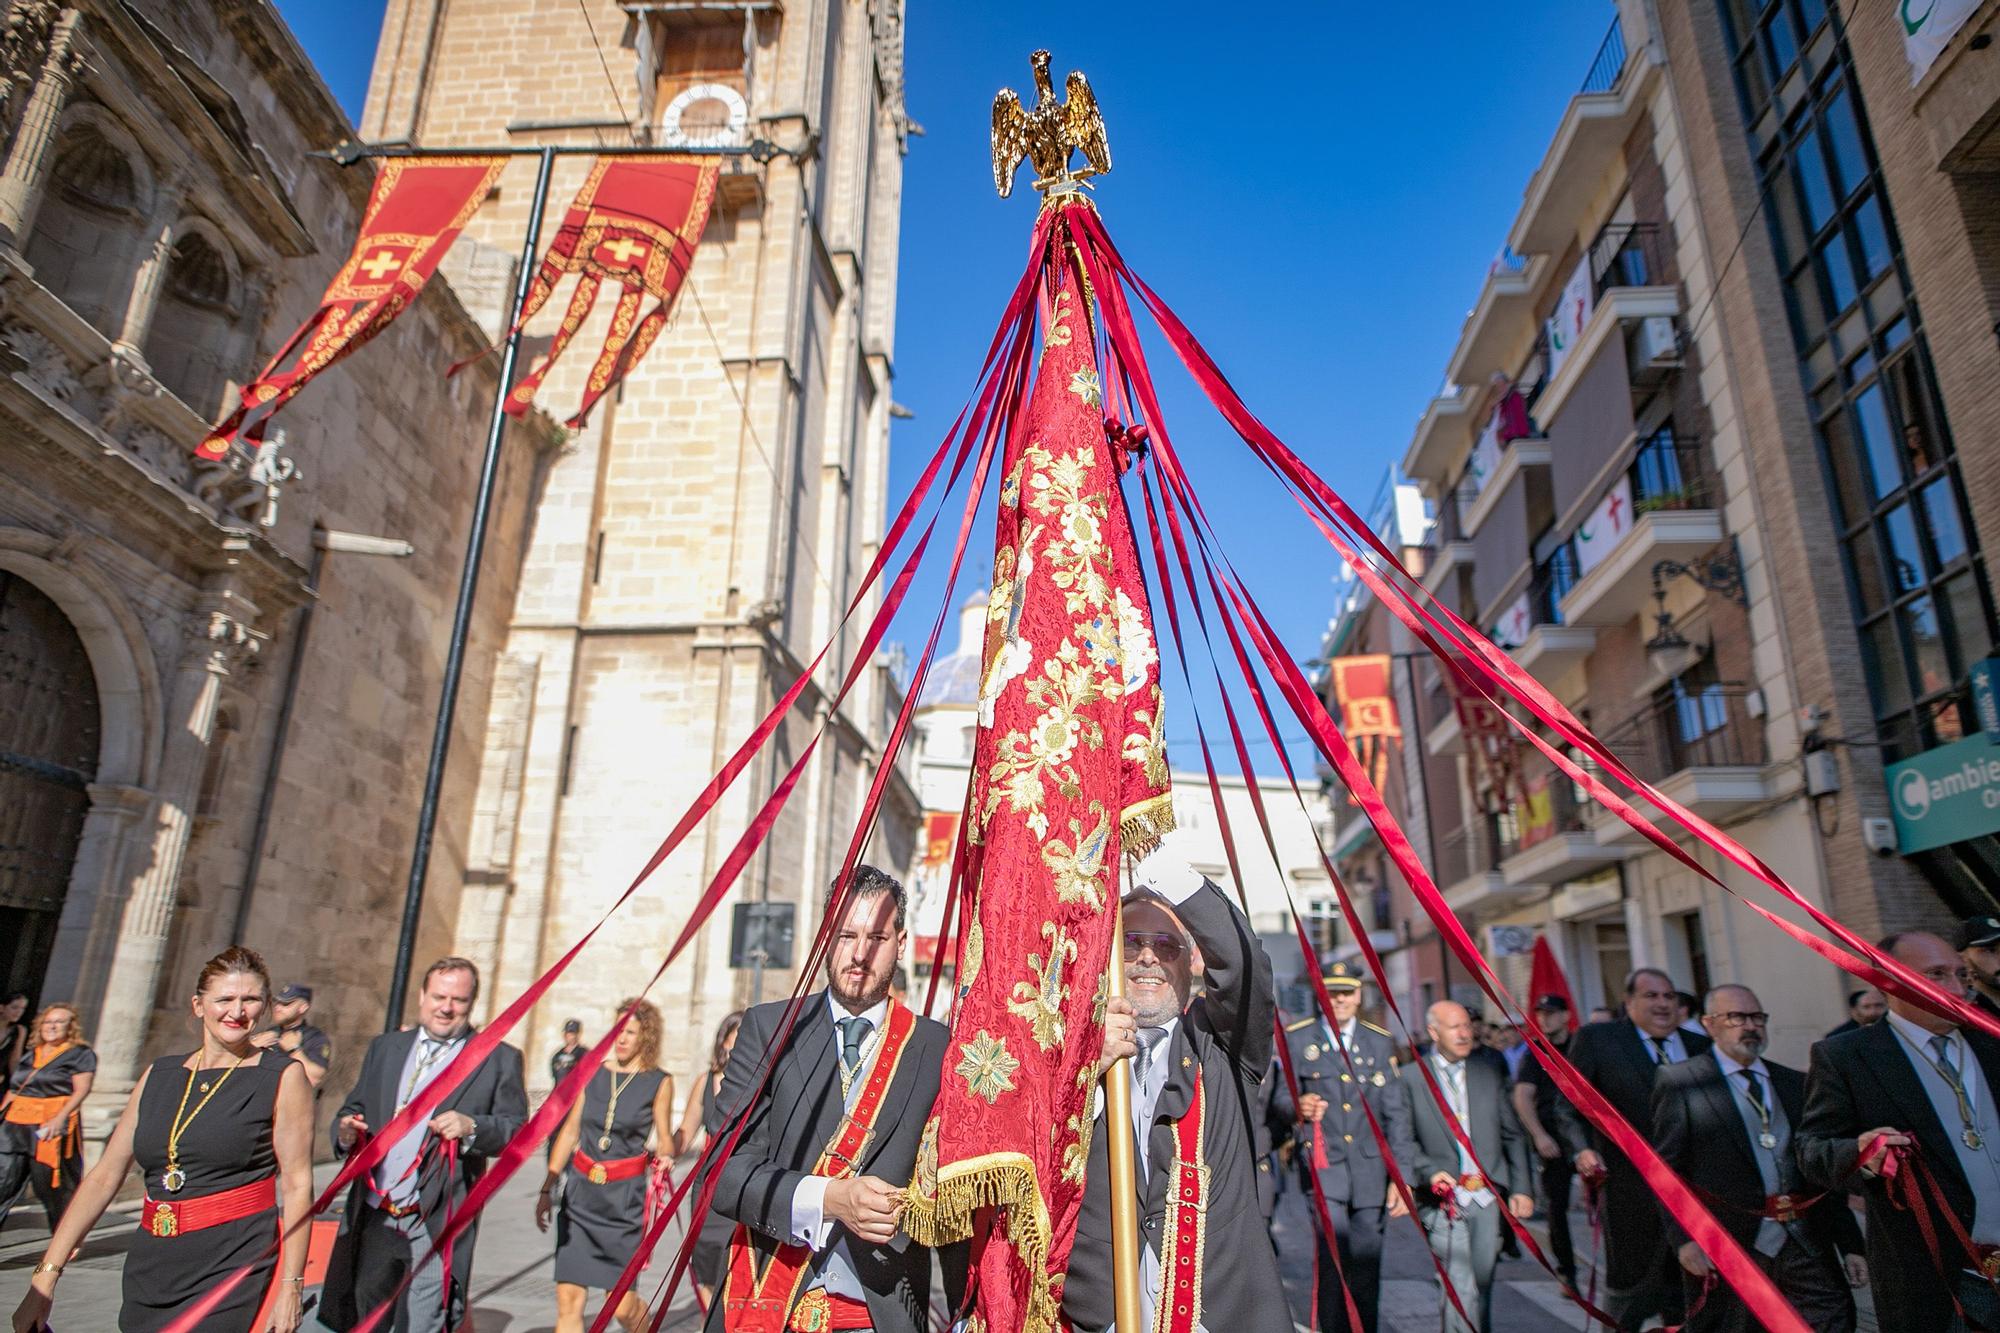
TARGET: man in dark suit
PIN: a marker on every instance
(1335, 1141)
(837, 1235)
(1620, 1058)
(1535, 1095)
(1978, 944)
(1865, 1005)
(1459, 1194)
(1220, 1044)
(396, 1212)
(1914, 1079)
(1724, 1122)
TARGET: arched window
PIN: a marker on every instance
(193, 332)
(87, 237)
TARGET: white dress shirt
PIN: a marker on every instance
(810, 1225)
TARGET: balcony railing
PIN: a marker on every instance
(1609, 64)
(1670, 472)
(1553, 579)
(1471, 849)
(1624, 254)
(1565, 816)
(1697, 726)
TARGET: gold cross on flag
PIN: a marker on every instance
(624, 248)
(382, 264)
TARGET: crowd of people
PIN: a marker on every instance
(1466, 1125)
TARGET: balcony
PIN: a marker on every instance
(1661, 509)
(1702, 745)
(1506, 446)
(1545, 646)
(1440, 434)
(1587, 144)
(1559, 848)
(1449, 546)
(1468, 868)
(1498, 324)
(1626, 288)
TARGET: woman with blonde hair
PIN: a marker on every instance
(224, 1139)
(604, 1168)
(41, 1134)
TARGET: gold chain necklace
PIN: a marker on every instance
(611, 1109)
(175, 1178)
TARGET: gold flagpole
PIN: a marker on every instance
(1124, 1162)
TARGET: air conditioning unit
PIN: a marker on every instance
(1657, 344)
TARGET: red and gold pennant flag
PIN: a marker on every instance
(1367, 710)
(635, 222)
(416, 211)
(1069, 772)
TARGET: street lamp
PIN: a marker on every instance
(1668, 652)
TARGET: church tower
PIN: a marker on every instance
(696, 542)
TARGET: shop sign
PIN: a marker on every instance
(1946, 795)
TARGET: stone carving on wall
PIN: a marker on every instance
(47, 365)
(245, 487)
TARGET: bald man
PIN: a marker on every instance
(1724, 1122)
(1914, 1079)
(1460, 1194)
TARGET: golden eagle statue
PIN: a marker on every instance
(1049, 133)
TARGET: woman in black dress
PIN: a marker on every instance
(41, 1134)
(700, 1122)
(224, 1136)
(606, 1167)
(13, 1036)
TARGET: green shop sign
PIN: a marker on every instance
(1946, 795)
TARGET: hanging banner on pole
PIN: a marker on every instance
(635, 222)
(416, 211)
(1367, 711)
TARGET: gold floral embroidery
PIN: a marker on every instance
(1085, 385)
(975, 952)
(1039, 1002)
(1076, 1153)
(1077, 551)
(986, 1067)
(1079, 870)
(1029, 760)
(1059, 313)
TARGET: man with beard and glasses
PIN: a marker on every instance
(1620, 1059)
(1194, 1070)
(1723, 1121)
(816, 1182)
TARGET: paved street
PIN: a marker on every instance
(513, 1289)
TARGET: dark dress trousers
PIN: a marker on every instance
(1500, 1145)
(1355, 1179)
(1863, 1080)
(791, 1123)
(1700, 1132)
(494, 1096)
(1227, 1035)
(1642, 1275)
(1556, 1173)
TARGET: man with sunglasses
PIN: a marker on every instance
(1194, 1071)
(1724, 1122)
(1345, 1069)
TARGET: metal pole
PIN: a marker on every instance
(1121, 1153)
(468, 585)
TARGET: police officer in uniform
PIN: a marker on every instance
(1339, 1069)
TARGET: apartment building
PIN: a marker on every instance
(1708, 462)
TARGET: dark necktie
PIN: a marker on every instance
(1941, 1043)
(1149, 1043)
(853, 1031)
(1660, 1045)
(1756, 1087)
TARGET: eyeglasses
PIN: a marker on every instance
(1943, 975)
(1736, 1018)
(1166, 948)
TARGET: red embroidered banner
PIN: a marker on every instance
(1367, 710)
(1069, 770)
(635, 222)
(416, 211)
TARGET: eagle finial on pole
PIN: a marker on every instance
(1047, 133)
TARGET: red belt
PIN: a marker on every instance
(174, 1217)
(599, 1173)
(819, 1311)
(1788, 1207)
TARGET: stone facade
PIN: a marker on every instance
(165, 227)
(696, 543)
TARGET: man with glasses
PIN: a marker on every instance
(1724, 1122)
(1194, 1071)
(1916, 1081)
(1344, 1069)
(1620, 1059)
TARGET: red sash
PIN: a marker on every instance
(177, 1217)
(599, 1173)
(754, 1303)
(1186, 1228)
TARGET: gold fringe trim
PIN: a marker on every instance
(1142, 826)
(996, 1180)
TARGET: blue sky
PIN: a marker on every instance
(1317, 189)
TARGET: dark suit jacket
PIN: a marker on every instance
(492, 1095)
(1863, 1080)
(792, 1122)
(1699, 1132)
(1355, 1173)
(1498, 1141)
(1227, 1035)
(1614, 1057)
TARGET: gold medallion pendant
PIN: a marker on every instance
(603, 1142)
(1972, 1139)
(173, 1180)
